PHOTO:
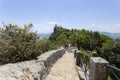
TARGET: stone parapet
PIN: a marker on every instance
(98, 69)
(31, 70)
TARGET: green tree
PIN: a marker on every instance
(85, 39)
(17, 44)
(20, 44)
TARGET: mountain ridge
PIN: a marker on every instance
(44, 35)
(112, 35)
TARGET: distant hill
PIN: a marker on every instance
(112, 35)
(44, 35)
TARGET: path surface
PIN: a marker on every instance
(64, 69)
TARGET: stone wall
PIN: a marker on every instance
(98, 69)
(31, 70)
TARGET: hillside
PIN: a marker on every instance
(112, 35)
(44, 35)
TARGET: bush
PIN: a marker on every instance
(20, 44)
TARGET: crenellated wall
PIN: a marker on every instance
(31, 70)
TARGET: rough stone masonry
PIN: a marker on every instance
(98, 69)
(31, 70)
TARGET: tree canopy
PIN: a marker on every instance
(20, 44)
(85, 39)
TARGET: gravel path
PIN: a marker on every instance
(64, 69)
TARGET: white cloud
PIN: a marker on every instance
(52, 23)
(117, 25)
(93, 25)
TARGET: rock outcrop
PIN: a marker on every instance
(31, 70)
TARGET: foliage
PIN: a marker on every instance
(114, 54)
(45, 45)
(88, 40)
(20, 44)
(60, 36)
(109, 78)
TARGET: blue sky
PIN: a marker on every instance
(96, 15)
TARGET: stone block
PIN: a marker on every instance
(98, 69)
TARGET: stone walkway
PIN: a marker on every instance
(64, 69)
